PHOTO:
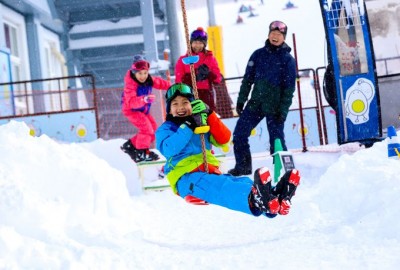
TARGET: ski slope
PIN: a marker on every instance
(240, 40)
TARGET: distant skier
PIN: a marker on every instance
(289, 5)
(239, 19)
(252, 14)
(179, 140)
(243, 8)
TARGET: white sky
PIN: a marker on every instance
(80, 206)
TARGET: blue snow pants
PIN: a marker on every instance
(219, 189)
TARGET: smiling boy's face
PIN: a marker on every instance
(181, 107)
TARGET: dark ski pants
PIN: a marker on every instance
(247, 121)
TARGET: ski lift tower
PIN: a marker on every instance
(353, 80)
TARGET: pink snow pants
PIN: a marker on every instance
(146, 126)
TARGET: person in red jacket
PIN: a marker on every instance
(136, 103)
(207, 70)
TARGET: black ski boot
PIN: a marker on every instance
(135, 154)
(285, 190)
(243, 163)
(261, 193)
(150, 155)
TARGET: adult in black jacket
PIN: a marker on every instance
(271, 72)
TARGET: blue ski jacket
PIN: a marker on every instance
(182, 147)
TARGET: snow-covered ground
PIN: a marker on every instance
(80, 206)
(68, 206)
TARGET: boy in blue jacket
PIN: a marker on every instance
(178, 139)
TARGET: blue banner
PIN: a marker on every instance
(354, 79)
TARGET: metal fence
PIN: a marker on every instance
(42, 96)
(55, 96)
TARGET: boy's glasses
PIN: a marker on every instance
(141, 65)
(278, 25)
(180, 88)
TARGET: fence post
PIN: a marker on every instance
(298, 92)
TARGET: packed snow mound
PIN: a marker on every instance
(362, 186)
(65, 206)
(39, 176)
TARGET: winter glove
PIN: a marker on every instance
(239, 108)
(198, 106)
(175, 119)
(201, 122)
(202, 72)
(200, 113)
(200, 119)
(149, 98)
(190, 122)
(280, 118)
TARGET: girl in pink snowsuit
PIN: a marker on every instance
(136, 103)
(207, 70)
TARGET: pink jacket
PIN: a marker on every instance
(134, 92)
(182, 71)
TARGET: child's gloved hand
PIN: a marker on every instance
(201, 123)
(149, 98)
(198, 106)
(200, 113)
(200, 119)
(190, 122)
(202, 72)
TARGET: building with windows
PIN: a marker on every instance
(55, 38)
(31, 32)
(47, 47)
(30, 46)
(46, 39)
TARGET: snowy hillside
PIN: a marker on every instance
(240, 40)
